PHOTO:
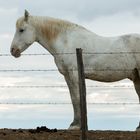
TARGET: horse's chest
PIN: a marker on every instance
(66, 64)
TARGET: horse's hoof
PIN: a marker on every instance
(138, 128)
(74, 127)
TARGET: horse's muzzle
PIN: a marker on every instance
(15, 52)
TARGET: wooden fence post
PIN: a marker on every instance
(82, 92)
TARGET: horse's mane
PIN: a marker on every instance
(50, 27)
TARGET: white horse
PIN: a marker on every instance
(60, 37)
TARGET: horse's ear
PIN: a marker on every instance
(26, 15)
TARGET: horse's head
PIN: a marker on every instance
(25, 35)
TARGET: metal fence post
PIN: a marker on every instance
(82, 92)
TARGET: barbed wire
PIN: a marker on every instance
(65, 86)
(71, 53)
(66, 103)
(55, 70)
(111, 53)
(27, 70)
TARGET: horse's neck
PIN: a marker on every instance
(42, 33)
(49, 29)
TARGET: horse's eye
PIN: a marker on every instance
(21, 30)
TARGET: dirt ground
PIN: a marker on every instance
(44, 133)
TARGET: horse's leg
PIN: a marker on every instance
(72, 82)
(137, 88)
(136, 81)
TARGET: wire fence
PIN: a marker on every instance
(64, 86)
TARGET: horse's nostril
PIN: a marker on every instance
(17, 51)
(12, 50)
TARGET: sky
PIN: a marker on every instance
(106, 18)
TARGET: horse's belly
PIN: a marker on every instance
(107, 76)
(109, 68)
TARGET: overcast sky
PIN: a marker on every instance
(106, 18)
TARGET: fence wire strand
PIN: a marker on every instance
(72, 53)
(66, 103)
(68, 70)
(65, 86)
